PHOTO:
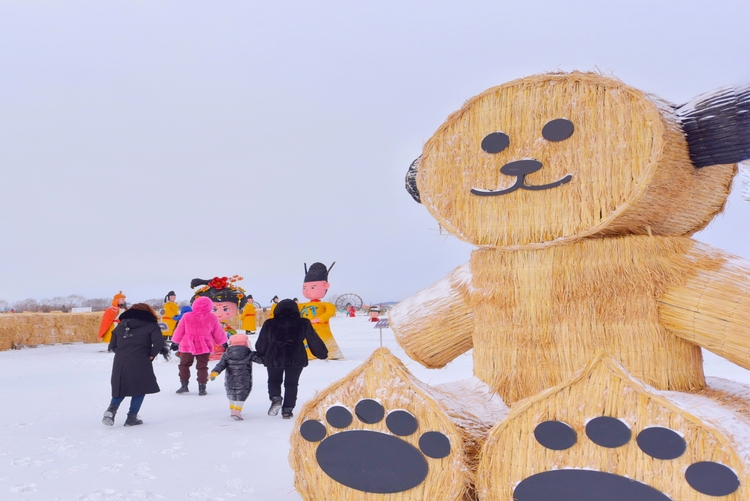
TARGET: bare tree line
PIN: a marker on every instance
(65, 303)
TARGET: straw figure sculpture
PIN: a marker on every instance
(381, 434)
(581, 194)
(566, 440)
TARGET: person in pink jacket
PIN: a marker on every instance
(196, 334)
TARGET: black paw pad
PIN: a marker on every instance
(660, 443)
(372, 461)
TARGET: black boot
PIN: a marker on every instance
(202, 390)
(109, 415)
(275, 406)
(183, 388)
(133, 420)
(286, 412)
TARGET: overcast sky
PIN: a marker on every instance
(146, 143)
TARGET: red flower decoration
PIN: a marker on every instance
(218, 283)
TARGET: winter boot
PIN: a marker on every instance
(237, 415)
(202, 390)
(183, 388)
(275, 406)
(286, 412)
(133, 420)
(109, 415)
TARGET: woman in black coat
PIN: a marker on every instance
(281, 348)
(135, 341)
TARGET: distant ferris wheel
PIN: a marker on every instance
(344, 301)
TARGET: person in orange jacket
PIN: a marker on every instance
(110, 318)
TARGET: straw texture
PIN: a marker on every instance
(535, 316)
(628, 158)
(712, 308)
(603, 388)
(435, 325)
(384, 378)
(23, 329)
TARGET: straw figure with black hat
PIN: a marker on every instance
(274, 302)
(318, 312)
(110, 318)
(374, 312)
(249, 324)
(171, 309)
(228, 298)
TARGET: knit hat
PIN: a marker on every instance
(238, 340)
(118, 296)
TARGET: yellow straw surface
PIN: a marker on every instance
(603, 388)
(384, 378)
(24, 329)
(631, 173)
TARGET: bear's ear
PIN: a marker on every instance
(717, 126)
(411, 180)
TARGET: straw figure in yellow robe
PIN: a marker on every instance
(249, 324)
(171, 309)
(110, 317)
(319, 312)
(274, 302)
(586, 306)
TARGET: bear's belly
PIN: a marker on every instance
(541, 315)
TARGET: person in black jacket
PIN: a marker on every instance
(135, 341)
(238, 381)
(281, 348)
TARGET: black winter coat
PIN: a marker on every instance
(135, 342)
(281, 342)
(238, 381)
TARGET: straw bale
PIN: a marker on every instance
(435, 338)
(712, 308)
(23, 329)
(385, 379)
(628, 158)
(603, 388)
(535, 316)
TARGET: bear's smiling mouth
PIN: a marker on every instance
(520, 168)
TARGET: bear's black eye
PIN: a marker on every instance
(558, 130)
(495, 142)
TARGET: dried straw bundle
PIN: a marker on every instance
(712, 308)
(385, 379)
(628, 158)
(48, 328)
(603, 388)
(435, 325)
(535, 316)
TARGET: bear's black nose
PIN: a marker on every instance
(521, 167)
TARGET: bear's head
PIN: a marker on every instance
(555, 158)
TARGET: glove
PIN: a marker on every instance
(175, 346)
(225, 345)
(165, 353)
(257, 358)
(213, 375)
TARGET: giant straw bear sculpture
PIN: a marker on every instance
(586, 296)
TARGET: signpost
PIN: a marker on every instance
(382, 324)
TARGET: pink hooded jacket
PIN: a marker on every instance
(199, 330)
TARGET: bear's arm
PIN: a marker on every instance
(435, 325)
(712, 309)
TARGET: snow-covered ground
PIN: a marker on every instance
(53, 445)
